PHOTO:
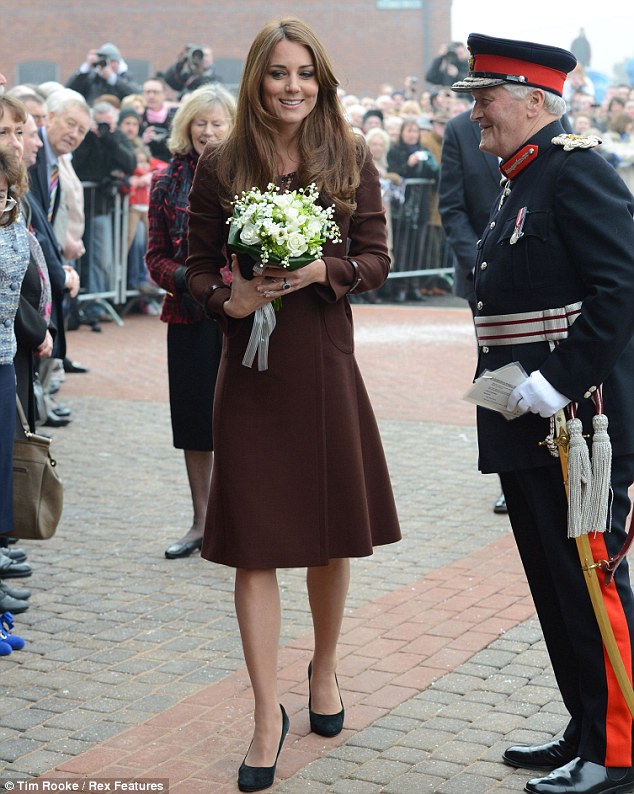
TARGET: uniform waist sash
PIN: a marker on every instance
(546, 325)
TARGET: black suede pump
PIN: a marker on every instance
(256, 778)
(327, 725)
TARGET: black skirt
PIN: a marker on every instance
(193, 356)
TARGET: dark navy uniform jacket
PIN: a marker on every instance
(578, 245)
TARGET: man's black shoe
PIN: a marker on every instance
(540, 756)
(74, 366)
(584, 777)
(500, 505)
(52, 420)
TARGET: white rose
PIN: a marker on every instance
(296, 244)
(249, 234)
(282, 200)
(291, 215)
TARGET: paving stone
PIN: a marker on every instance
(380, 771)
(328, 770)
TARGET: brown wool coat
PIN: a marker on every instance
(300, 475)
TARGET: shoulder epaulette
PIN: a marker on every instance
(570, 142)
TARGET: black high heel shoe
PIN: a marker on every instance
(256, 778)
(328, 725)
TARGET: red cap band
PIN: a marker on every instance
(551, 79)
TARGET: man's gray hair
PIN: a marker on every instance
(554, 104)
(65, 98)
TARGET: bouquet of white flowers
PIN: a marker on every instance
(276, 228)
(287, 229)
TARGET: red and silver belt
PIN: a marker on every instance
(546, 325)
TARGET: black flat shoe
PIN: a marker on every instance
(13, 570)
(256, 778)
(177, 550)
(74, 366)
(52, 420)
(584, 777)
(327, 725)
(17, 554)
(547, 756)
(13, 605)
(20, 593)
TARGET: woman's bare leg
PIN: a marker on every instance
(327, 590)
(258, 610)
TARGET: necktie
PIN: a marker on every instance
(52, 192)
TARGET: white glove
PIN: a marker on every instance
(536, 395)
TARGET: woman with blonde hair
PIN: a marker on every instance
(301, 479)
(193, 340)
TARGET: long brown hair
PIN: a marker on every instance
(14, 171)
(330, 152)
(10, 165)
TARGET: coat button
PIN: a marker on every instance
(8, 323)
(14, 285)
(484, 266)
(492, 225)
(479, 305)
(485, 349)
(587, 394)
(479, 243)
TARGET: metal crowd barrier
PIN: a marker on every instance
(418, 248)
(103, 269)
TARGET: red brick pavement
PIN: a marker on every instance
(417, 362)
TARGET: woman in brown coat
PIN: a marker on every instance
(300, 477)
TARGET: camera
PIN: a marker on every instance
(422, 156)
(101, 62)
(195, 56)
(160, 134)
(103, 128)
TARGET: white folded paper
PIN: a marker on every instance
(493, 388)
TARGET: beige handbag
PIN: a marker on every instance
(38, 494)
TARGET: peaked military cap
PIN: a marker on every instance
(495, 61)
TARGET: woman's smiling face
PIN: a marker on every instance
(289, 87)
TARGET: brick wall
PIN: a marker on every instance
(368, 45)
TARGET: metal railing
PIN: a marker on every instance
(418, 248)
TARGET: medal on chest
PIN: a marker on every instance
(519, 225)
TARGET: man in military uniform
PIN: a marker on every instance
(554, 291)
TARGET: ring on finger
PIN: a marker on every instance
(286, 285)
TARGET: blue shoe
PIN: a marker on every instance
(6, 638)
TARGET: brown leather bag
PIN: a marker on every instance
(38, 493)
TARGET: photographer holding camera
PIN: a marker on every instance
(450, 65)
(103, 72)
(156, 121)
(194, 67)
